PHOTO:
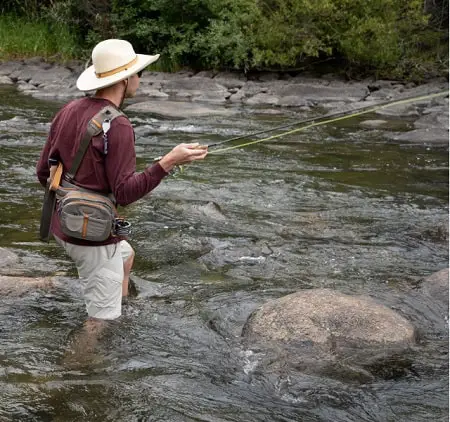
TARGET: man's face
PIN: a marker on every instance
(133, 85)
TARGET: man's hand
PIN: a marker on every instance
(183, 154)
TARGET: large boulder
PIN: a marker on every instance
(322, 330)
(319, 315)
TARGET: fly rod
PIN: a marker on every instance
(321, 120)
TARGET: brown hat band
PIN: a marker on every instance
(117, 69)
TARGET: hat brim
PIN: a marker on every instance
(88, 80)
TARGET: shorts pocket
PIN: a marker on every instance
(104, 288)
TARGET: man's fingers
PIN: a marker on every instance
(196, 145)
(197, 154)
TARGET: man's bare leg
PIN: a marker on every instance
(82, 344)
(127, 265)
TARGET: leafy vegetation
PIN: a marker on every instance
(402, 39)
(36, 38)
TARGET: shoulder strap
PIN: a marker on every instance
(94, 127)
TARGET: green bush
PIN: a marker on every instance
(228, 41)
(52, 41)
(403, 39)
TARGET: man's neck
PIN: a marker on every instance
(112, 93)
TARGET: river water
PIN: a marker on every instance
(335, 206)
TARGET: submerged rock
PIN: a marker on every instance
(18, 286)
(429, 136)
(373, 123)
(7, 257)
(436, 287)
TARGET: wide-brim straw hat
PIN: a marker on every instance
(113, 61)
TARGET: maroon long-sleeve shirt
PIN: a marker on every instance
(112, 173)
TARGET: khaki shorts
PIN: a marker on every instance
(101, 272)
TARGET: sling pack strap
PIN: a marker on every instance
(67, 187)
(94, 127)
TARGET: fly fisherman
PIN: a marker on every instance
(106, 166)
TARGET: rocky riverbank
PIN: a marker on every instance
(188, 95)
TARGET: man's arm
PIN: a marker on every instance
(120, 166)
(120, 163)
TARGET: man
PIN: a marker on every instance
(104, 267)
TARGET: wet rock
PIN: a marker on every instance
(206, 74)
(432, 136)
(293, 101)
(51, 91)
(18, 286)
(237, 97)
(436, 286)
(385, 93)
(26, 73)
(51, 76)
(230, 80)
(330, 319)
(373, 123)
(25, 87)
(327, 333)
(210, 210)
(7, 258)
(5, 80)
(196, 86)
(333, 106)
(44, 80)
(213, 97)
(263, 99)
(151, 92)
(225, 253)
(150, 289)
(401, 110)
(9, 67)
(380, 84)
(319, 92)
(436, 119)
(193, 210)
(178, 110)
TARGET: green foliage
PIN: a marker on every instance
(290, 31)
(387, 38)
(53, 41)
(228, 41)
(165, 26)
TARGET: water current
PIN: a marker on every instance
(335, 206)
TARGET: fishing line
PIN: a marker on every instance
(318, 121)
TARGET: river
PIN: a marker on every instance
(337, 206)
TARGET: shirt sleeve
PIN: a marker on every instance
(120, 166)
(43, 164)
